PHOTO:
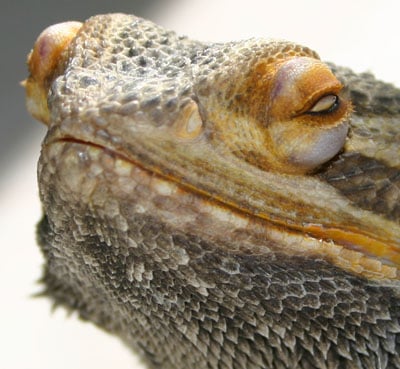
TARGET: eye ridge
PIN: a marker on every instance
(332, 108)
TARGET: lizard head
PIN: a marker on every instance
(284, 111)
(218, 205)
(253, 128)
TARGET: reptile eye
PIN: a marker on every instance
(326, 104)
(291, 120)
(43, 61)
(302, 142)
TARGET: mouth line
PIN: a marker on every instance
(373, 248)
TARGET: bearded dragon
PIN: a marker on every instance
(218, 205)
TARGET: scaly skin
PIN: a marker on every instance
(218, 205)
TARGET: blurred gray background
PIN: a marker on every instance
(362, 34)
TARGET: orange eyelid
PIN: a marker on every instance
(298, 84)
(42, 63)
(321, 84)
(318, 95)
(48, 47)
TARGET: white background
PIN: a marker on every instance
(360, 34)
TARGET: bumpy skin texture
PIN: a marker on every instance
(148, 261)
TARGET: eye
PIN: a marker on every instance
(326, 104)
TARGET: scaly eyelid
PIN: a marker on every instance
(315, 98)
